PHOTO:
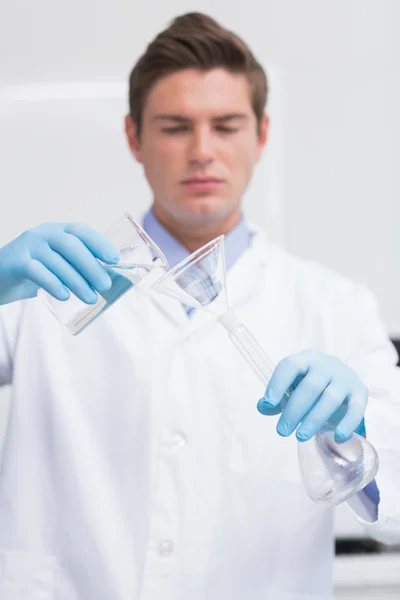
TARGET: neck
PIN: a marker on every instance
(194, 237)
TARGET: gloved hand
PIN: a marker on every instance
(58, 257)
(321, 388)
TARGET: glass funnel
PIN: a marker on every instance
(330, 472)
(199, 281)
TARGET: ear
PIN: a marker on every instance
(132, 137)
(263, 135)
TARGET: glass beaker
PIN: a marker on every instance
(330, 472)
(139, 255)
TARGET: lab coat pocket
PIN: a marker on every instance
(25, 576)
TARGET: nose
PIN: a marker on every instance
(201, 151)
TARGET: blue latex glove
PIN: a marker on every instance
(58, 257)
(321, 388)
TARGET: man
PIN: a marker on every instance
(135, 463)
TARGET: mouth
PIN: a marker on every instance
(202, 184)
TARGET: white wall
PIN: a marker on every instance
(328, 186)
(340, 78)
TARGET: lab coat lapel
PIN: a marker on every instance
(172, 309)
(246, 277)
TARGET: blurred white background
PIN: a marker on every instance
(328, 186)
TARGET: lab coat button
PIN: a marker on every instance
(179, 440)
(165, 548)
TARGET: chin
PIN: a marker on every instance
(206, 209)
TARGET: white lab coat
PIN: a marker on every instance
(136, 466)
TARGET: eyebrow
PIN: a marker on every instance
(182, 119)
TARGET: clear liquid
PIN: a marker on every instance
(123, 279)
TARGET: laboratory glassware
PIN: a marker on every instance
(139, 255)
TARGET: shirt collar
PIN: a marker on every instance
(235, 243)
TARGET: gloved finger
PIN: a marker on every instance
(285, 374)
(333, 396)
(81, 259)
(354, 414)
(36, 272)
(67, 275)
(97, 243)
(265, 409)
(302, 399)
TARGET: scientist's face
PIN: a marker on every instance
(198, 145)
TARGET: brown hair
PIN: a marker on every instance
(195, 41)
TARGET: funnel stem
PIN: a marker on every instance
(250, 349)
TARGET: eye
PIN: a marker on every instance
(225, 129)
(178, 129)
